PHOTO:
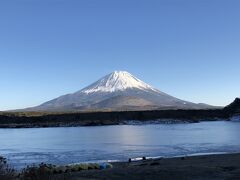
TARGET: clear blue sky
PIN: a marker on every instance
(187, 48)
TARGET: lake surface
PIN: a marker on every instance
(90, 144)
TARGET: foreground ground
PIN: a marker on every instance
(209, 167)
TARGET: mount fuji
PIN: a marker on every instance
(117, 91)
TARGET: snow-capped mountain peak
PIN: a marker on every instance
(117, 81)
(116, 91)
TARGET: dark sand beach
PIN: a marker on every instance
(207, 167)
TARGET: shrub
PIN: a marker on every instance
(40, 172)
(6, 173)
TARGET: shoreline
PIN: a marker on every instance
(134, 122)
(193, 167)
(133, 159)
(213, 166)
(218, 166)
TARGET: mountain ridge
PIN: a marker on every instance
(117, 90)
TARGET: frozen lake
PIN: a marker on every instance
(101, 143)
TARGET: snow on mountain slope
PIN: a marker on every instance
(118, 89)
(117, 81)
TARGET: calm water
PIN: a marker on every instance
(86, 144)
